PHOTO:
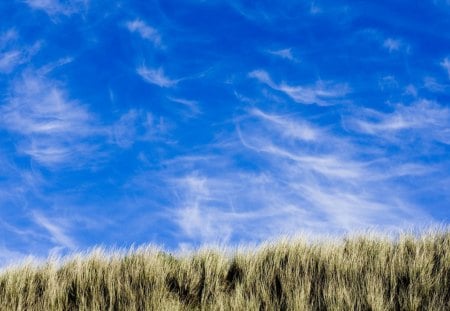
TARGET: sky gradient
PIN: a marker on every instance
(182, 123)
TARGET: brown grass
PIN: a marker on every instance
(358, 273)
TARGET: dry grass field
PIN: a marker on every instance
(357, 273)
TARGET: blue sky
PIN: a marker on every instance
(182, 123)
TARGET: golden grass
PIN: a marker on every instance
(358, 273)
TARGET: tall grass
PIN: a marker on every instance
(358, 273)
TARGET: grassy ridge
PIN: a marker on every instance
(359, 273)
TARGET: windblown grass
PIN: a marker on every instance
(358, 273)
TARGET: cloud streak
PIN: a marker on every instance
(134, 125)
(52, 129)
(156, 77)
(58, 235)
(145, 31)
(284, 53)
(56, 7)
(424, 119)
(393, 45)
(192, 105)
(9, 60)
(12, 54)
(446, 65)
(296, 177)
(322, 93)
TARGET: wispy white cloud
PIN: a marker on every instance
(56, 228)
(124, 130)
(277, 13)
(424, 119)
(411, 90)
(145, 31)
(386, 41)
(388, 82)
(156, 77)
(314, 8)
(192, 105)
(55, 7)
(55, 64)
(292, 129)
(60, 132)
(8, 36)
(321, 93)
(52, 129)
(13, 54)
(9, 60)
(284, 53)
(295, 177)
(330, 181)
(215, 209)
(135, 125)
(392, 45)
(193, 217)
(446, 65)
(433, 85)
(50, 6)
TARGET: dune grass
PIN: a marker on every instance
(357, 273)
